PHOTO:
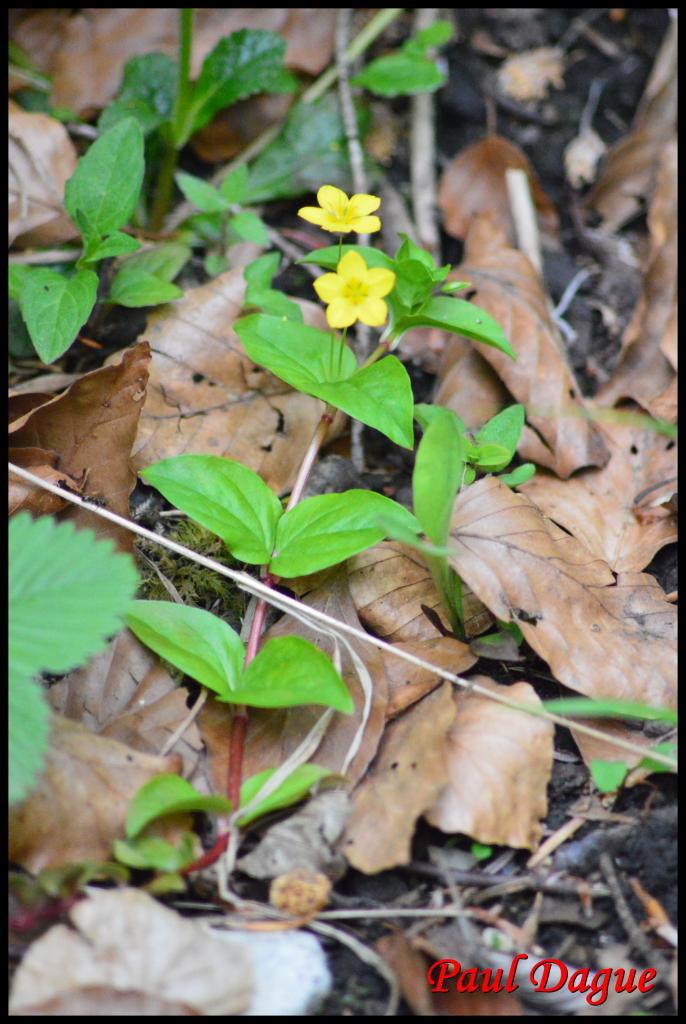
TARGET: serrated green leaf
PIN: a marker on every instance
(518, 476)
(151, 853)
(107, 181)
(223, 496)
(242, 64)
(203, 195)
(29, 729)
(249, 227)
(438, 473)
(294, 788)
(55, 307)
(234, 185)
(288, 672)
(168, 794)
(139, 289)
(147, 93)
(202, 645)
(116, 244)
(400, 74)
(68, 593)
(326, 529)
(460, 317)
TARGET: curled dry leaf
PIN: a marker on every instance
(601, 637)
(206, 397)
(499, 765)
(88, 432)
(128, 941)
(528, 76)
(126, 694)
(598, 506)
(507, 286)
(474, 183)
(628, 176)
(79, 806)
(647, 369)
(24, 496)
(41, 159)
(405, 780)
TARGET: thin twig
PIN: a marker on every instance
(423, 153)
(637, 939)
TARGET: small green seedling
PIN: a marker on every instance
(410, 70)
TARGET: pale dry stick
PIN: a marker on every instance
(374, 27)
(368, 956)
(314, 618)
(524, 215)
(45, 256)
(187, 722)
(551, 844)
(423, 153)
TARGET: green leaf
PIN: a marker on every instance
(302, 356)
(164, 261)
(202, 645)
(460, 317)
(29, 729)
(288, 672)
(249, 227)
(585, 707)
(223, 496)
(488, 457)
(437, 34)
(518, 476)
(310, 148)
(168, 794)
(480, 851)
(400, 74)
(329, 256)
(55, 307)
(135, 290)
(116, 244)
(294, 788)
(504, 429)
(68, 593)
(413, 284)
(16, 276)
(608, 776)
(329, 528)
(438, 473)
(667, 749)
(202, 194)
(259, 292)
(147, 93)
(379, 395)
(150, 853)
(107, 181)
(240, 65)
(215, 263)
(235, 184)
(425, 414)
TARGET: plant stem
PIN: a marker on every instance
(164, 186)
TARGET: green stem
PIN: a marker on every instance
(164, 186)
(340, 352)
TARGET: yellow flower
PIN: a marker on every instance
(339, 214)
(355, 292)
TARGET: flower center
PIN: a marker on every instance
(354, 290)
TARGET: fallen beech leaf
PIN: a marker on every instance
(128, 941)
(410, 967)
(508, 287)
(306, 840)
(408, 683)
(467, 384)
(90, 429)
(103, 1001)
(591, 747)
(80, 803)
(601, 637)
(528, 75)
(628, 175)
(23, 495)
(646, 370)
(474, 184)
(41, 159)
(97, 42)
(407, 776)
(499, 765)
(598, 505)
(206, 397)
(126, 694)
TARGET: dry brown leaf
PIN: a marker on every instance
(103, 1001)
(97, 42)
(41, 159)
(474, 184)
(207, 398)
(598, 505)
(128, 941)
(499, 764)
(231, 130)
(90, 430)
(39, 34)
(126, 694)
(407, 776)
(528, 75)
(467, 384)
(508, 287)
(591, 747)
(646, 371)
(628, 175)
(80, 803)
(408, 683)
(410, 967)
(24, 496)
(601, 637)
(45, 384)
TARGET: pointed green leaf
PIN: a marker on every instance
(438, 473)
(288, 672)
(55, 307)
(504, 429)
(250, 228)
(147, 93)
(168, 794)
(107, 181)
(201, 194)
(202, 645)
(329, 256)
(234, 185)
(138, 289)
(519, 476)
(379, 395)
(294, 788)
(302, 356)
(151, 853)
(460, 317)
(400, 74)
(223, 496)
(116, 244)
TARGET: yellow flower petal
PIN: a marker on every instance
(328, 287)
(352, 265)
(313, 214)
(335, 224)
(361, 205)
(341, 313)
(365, 225)
(379, 282)
(372, 312)
(332, 200)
